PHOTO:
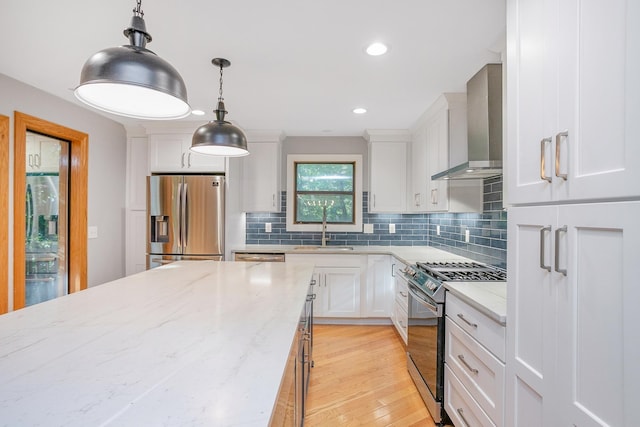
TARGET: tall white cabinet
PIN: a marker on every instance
(387, 170)
(573, 231)
(261, 172)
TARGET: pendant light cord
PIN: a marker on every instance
(220, 97)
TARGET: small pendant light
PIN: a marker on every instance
(219, 137)
(133, 81)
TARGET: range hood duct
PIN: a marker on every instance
(484, 128)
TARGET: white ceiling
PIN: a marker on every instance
(296, 65)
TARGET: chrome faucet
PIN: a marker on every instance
(325, 239)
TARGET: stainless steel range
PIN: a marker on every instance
(425, 348)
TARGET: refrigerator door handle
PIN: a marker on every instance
(180, 217)
(186, 218)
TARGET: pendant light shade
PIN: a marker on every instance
(133, 81)
(219, 137)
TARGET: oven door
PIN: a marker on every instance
(425, 343)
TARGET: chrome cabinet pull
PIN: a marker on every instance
(473, 325)
(559, 137)
(543, 170)
(461, 413)
(557, 255)
(464, 362)
(273, 200)
(404, 294)
(189, 160)
(374, 200)
(182, 161)
(542, 231)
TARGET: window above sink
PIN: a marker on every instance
(319, 182)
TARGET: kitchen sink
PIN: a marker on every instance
(323, 248)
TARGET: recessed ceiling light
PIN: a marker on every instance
(377, 49)
(197, 112)
(359, 110)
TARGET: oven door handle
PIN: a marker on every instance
(433, 307)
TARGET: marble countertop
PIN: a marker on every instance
(406, 254)
(190, 343)
(489, 298)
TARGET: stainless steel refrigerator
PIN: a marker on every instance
(185, 218)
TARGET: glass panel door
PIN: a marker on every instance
(46, 210)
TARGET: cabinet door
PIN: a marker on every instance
(571, 99)
(261, 177)
(388, 177)
(419, 194)
(165, 153)
(437, 161)
(531, 98)
(340, 292)
(599, 64)
(531, 331)
(598, 347)
(378, 290)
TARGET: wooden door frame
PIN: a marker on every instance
(4, 214)
(78, 172)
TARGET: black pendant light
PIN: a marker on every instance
(219, 137)
(133, 81)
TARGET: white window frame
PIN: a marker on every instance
(292, 159)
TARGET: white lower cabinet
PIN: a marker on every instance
(572, 308)
(475, 368)
(378, 287)
(337, 292)
(351, 286)
(399, 316)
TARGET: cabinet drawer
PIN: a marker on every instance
(482, 374)
(491, 334)
(400, 319)
(402, 293)
(463, 410)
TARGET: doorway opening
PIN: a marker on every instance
(50, 203)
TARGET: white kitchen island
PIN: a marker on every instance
(193, 343)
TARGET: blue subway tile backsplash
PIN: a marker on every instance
(487, 230)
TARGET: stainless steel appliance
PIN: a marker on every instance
(425, 344)
(481, 157)
(185, 218)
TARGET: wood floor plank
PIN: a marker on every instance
(360, 378)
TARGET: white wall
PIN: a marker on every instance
(107, 161)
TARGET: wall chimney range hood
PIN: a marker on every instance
(483, 157)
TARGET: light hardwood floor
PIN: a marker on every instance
(360, 378)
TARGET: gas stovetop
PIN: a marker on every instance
(462, 271)
(430, 276)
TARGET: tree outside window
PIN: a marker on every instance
(320, 186)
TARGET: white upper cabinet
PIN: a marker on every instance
(572, 93)
(261, 171)
(418, 194)
(170, 153)
(436, 138)
(388, 171)
(43, 154)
